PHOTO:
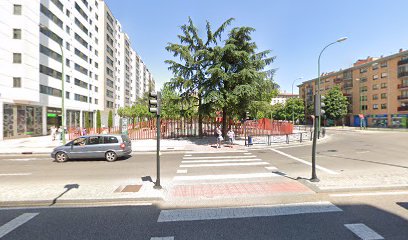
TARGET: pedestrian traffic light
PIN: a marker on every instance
(155, 102)
(247, 116)
(319, 104)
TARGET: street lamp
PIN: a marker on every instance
(62, 88)
(317, 123)
(293, 105)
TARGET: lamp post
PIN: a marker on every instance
(318, 72)
(293, 105)
(62, 89)
(317, 123)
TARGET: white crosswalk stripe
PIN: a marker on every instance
(223, 164)
(222, 160)
(15, 223)
(363, 231)
(225, 176)
(220, 157)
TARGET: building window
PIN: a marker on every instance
(375, 96)
(375, 86)
(16, 33)
(16, 82)
(58, 4)
(16, 57)
(81, 84)
(50, 72)
(68, 62)
(383, 106)
(50, 53)
(363, 89)
(363, 70)
(17, 9)
(67, 29)
(50, 15)
(384, 75)
(81, 40)
(96, 101)
(363, 98)
(383, 85)
(67, 95)
(375, 77)
(81, 55)
(81, 69)
(79, 9)
(80, 98)
(375, 106)
(364, 107)
(375, 66)
(50, 91)
(68, 13)
(51, 35)
(67, 78)
(68, 46)
(81, 26)
(383, 96)
(384, 64)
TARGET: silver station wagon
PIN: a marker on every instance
(105, 146)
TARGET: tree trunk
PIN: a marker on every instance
(224, 122)
(200, 118)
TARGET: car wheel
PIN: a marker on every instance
(111, 156)
(61, 157)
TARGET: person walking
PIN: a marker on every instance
(53, 132)
(60, 133)
(218, 135)
(231, 137)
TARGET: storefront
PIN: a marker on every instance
(399, 120)
(378, 120)
(73, 119)
(22, 121)
(54, 117)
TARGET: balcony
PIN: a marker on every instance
(402, 62)
(348, 85)
(404, 108)
(402, 74)
(402, 97)
(402, 86)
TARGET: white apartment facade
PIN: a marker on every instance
(32, 33)
(282, 97)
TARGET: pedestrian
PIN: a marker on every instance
(60, 132)
(53, 133)
(231, 136)
(84, 132)
(218, 135)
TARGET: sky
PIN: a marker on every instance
(294, 30)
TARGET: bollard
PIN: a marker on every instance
(300, 137)
(287, 138)
(311, 135)
(269, 140)
(323, 132)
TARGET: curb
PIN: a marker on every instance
(79, 202)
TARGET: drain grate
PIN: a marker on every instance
(129, 188)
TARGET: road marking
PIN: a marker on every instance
(182, 171)
(363, 232)
(368, 194)
(271, 168)
(162, 238)
(305, 162)
(246, 212)
(218, 151)
(188, 155)
(225, 176)
(223, 160)
(247, 153)
(26, 159)
(223, 164)
(92, 205)
(14, 174)
(15, 223)
(219, 157)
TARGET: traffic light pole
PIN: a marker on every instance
(157, 184)
(317, 113)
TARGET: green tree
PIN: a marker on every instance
(279, 112)
(110, 119)
(98, 120)
(237, 74)
(86, 117)
(170, 103)
(335, 104)
(190, 74)
(296, 107)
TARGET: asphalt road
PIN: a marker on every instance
(234, 195)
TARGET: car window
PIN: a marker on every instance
(94, 140)
(110, 139)
(125, 138)
(79, 141)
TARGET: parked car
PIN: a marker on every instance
(105, 146)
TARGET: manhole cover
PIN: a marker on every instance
(129, 188)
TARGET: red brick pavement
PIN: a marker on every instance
(238, 189)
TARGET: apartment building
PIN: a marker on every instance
(45, 41)
(282, 97)
(376, 88)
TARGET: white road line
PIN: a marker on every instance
(76, 206)
(247, 153)
(271, 168)
(223, 160)
(15, 223)
(14, 174)
(182, 171)
(305, 162)
(245, 212)
(363, 232)
(188, 155)
(223, 164)
(225, 176)
(219, 157)
(218, 151)
(26, 159)
(162, 238)
(368, 194)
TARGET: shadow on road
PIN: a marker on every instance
(68, 188)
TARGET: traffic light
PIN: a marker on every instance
(319, 104)
(155, 102)
(247, 116)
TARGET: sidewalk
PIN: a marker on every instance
(45, 145)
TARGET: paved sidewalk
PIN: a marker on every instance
(45, 145)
